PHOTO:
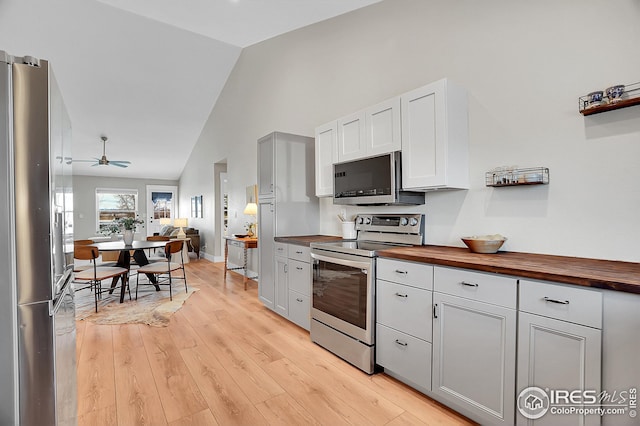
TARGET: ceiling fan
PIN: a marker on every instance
(104, 161)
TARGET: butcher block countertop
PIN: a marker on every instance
(604, 274)
(306, 240)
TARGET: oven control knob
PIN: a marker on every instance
(413, 221)
(367, 220)
(360, 220)
(403, 221)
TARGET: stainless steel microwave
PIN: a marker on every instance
(372, 181)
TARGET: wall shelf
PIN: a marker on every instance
(630, 98)
(516, 177)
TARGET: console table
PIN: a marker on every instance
(245, 244)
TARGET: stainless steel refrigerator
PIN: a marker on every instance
(37, 310)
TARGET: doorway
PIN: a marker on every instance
(161, 204)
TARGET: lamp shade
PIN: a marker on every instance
(165, 221)
(251, 208)
(180, 222)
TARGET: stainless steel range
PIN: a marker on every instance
(343, 299)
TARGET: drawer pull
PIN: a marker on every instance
(299, 300)
(298, 252)
(401, 295)
(298, 268)
(468, 284)
(398, 271)
(560, 302)
(401, 343)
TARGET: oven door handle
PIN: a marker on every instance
(338, 261)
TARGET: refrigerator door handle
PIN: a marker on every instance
(54, 305)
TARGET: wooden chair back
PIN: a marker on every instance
(158, 238)
(82, 242)
(173, 247)
(85, 252)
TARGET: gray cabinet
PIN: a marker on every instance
(474, 344)
(403, 325)
(293, 283)
(287, 205)
(559, 345)
(266, 252)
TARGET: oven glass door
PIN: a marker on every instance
(343, 294)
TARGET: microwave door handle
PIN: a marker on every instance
(338, 261)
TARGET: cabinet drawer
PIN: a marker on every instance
(573, 304)
(280, 249)
(404, 308)
(300, 277)
(300, 253)
(299, 309)
(489, 288)
(409, 273)
(404, 356)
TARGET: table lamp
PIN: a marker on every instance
(252, 210)
(180, 223)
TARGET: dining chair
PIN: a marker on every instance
(152, 251)
(164, 271)
(81, 267)
(95, 275)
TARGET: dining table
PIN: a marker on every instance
(124, 259)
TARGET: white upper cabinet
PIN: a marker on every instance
(382, 124)
(429, 125)
(435, 137)
(351, 137)
(326, 155)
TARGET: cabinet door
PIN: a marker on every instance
(554, 354)
(282, 286)
(326, 154)
(474, 358)
(423, 142)
(266, 166)
(435, 152)
(266, 225)
(382, 123)
(300, 309)
(351, 137)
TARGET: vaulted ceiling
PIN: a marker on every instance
(147, 73)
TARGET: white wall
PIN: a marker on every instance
(524, 65)
(84, 200)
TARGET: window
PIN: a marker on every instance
(112, 204)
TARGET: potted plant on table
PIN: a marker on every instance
(129, 225)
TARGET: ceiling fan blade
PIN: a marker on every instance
(85, 161)
(119, 161)
(95, 164)
(118, 164)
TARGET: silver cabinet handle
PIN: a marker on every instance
(468, 284)
(299, 268)
(398, 271)
(298, 252)
(299, 300)
(435, 310)
(401, 343)
(401, 295)
(560, 302)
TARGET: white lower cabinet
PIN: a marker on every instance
(556, 354)
(474, 344)
(403, 321)
(281, 304)
(293, 283)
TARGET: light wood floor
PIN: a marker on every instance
(224, 360)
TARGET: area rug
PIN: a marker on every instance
(152, 307)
